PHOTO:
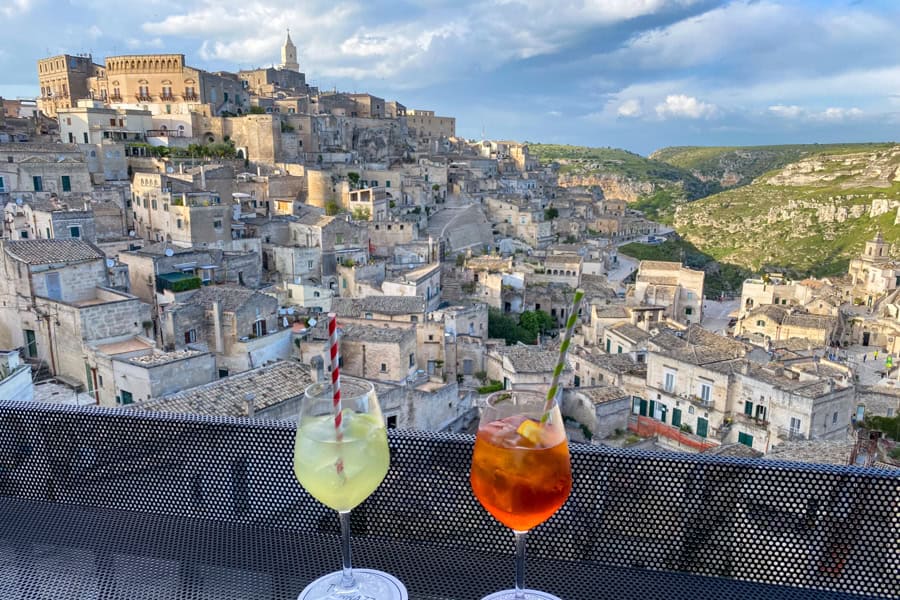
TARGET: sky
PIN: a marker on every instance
(633, 74)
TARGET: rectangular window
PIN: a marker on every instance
(392, 422)
(795, 426)
(760, 412)
(384, 367)
(834, 418)
(669, 385)
(745, 439)
(38, 182)
(259, 328)
(223, 373)
(125, 397)
(412, 360)
(190, 336)
(75, 232)
(2, 184)
(153, 204)
(338, 238)
(748, 408)
(309, 264)
(66, 183)
(689, 310)
(85, 137)
(217, 223)
(705, 392)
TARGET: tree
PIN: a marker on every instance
(536, 322)
(550, 213)
(361, 214)
(501, 325)
(332, 208)
(353, 178)
(257, 110)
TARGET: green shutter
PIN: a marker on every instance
(702, 427)
(676, 417)
(66, 183)
(745, 439)
(651, 412)
(643, 407)
(748, 408)
(607, 345)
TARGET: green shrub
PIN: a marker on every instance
(183, 285)
(493, 386)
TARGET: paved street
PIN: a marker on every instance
(715, 314)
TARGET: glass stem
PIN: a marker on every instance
(347, 581)
(520, 564)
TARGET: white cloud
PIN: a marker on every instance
(11, 8)
(832, 114)
(631, 108)
(352, 39)
(789, 112)
(838, 114)
(683, 106)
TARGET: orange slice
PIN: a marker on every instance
(531, 431)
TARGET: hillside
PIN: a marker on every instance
(621, 174)
(733, 166)
(810, 216)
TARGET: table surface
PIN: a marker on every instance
(60, 551)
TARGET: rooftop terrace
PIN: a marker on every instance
(181, 507)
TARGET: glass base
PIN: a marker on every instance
(370, 585)
(529, 595)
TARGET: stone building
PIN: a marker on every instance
(241, 327)
(423, 281)
(706, 384)
(90, 122)
(268, 392)
(378, 353)
(768, 324)
(525, 367)
(874, 273)
(428, 127)
(64, 79)
(29, 170)
(669, 284)
(63, 306)
(336, 239)
(133, 370)
(404, 309)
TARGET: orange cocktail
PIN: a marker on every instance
(520, 470)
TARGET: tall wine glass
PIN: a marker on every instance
(520, 471)
(341, 467)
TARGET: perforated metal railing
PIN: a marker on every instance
(96, 503)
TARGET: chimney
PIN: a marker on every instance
(248, 399)
(217, 326)
(203, 177)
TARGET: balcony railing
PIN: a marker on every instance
(114, 503)
(790, 433)
(143, 98)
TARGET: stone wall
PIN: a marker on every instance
(155, 381)
(77, 281)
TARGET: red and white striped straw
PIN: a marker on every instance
(336, 382)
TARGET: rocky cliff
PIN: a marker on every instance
(613, 186)
(809, 216)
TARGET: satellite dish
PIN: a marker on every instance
(311, 322)
(170, 170)
(110, 263)
(131, 232)
(18, 202)
(169, 252)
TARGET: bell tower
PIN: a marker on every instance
(289, 55)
